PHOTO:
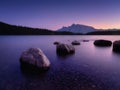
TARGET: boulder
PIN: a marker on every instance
(116, 46)
(75, 43)
(34, 59)
(65, 49)
(102, 43)
(56, 43)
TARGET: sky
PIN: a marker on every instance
(54, 14)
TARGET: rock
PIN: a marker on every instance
(65, 49)
(102, 43)
(116, 46)
(75, 43)
(56, 43)
(34, 59)
(85, 40)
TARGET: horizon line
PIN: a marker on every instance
(59, 28)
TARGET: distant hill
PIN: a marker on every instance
(77, 28)
(105, 32)
(7, 29)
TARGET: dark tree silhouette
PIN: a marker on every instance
(7, 29)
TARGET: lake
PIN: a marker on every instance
(90, 68)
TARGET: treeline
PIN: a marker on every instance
(7, 29)
(105, 32)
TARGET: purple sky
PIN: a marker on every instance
(54, 14)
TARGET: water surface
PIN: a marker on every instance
(90, 68)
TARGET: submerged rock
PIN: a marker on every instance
(64, 49)
(116, 46)
(102, 43)
(85, 40)
(34, 59)
(75, 43)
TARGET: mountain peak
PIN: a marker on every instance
(74, 24)
(77, 28)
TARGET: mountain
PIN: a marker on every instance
(77, 28)
(7, 29)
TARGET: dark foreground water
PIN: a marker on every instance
(90, 68)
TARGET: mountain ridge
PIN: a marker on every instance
(78, 28)
(7, 29)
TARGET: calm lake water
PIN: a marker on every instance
(90, 68)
